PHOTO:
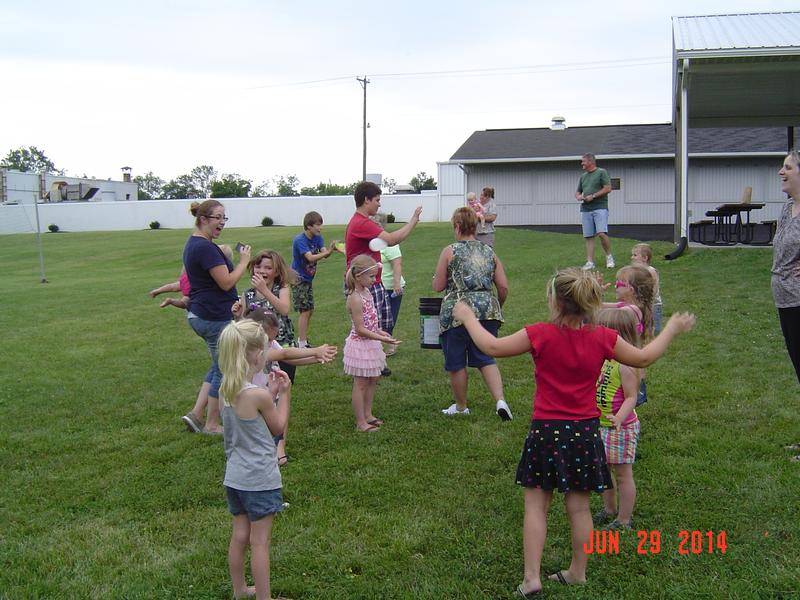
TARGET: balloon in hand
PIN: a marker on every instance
(377, 244)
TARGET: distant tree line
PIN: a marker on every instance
(205, 182)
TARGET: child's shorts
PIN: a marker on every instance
(303, 296)
(621, 445)
(257, 505)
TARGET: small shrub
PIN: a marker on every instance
(267, 221)
(390, 218)
(53, 228)
(155, 225)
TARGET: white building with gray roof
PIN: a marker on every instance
(535, 171)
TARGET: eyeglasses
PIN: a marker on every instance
(222, 218)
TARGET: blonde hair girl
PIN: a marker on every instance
(573, 294)
(363, 355)
(569, 352)
(617, 390)
(643, 254)
(252, 477)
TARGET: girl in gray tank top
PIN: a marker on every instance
(252, 477)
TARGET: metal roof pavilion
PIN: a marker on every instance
(732, 71)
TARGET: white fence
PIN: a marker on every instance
(243, 212)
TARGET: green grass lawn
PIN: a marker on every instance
(105, 495)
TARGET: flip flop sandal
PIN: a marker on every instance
(369, 429)
(529, 595)
(376, 422)
(285, 458)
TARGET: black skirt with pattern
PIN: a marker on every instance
(566, 456)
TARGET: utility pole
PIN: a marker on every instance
(364, 83)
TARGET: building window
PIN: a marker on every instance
(616, 183)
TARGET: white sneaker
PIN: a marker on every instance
(610, 262)
(503, 411)
(588, 266)
(453, 410)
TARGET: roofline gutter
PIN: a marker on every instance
(668, 155)
(738, 52)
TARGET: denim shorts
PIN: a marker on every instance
(460, 351)
(658, 312)
(257, 505)
(594, 222)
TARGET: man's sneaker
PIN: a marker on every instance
(453, 410)
(386, 372)
(610, 264)
(588, 266)
(503, 411)
(617, 525)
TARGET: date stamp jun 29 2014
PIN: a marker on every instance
(686, 543)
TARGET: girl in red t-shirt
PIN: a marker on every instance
(563, 449)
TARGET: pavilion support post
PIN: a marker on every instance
(681, 116)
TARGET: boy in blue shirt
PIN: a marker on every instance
(307, 248)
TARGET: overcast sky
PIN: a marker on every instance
(167, 85)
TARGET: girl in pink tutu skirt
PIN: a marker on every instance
(363, 355)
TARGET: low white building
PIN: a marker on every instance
(535, 171)
(17, 187)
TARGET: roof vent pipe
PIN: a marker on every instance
(558, 124)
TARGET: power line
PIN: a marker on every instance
(555, 67)
(490, 71)
(298, 83)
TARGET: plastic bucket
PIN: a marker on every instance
(429, 322)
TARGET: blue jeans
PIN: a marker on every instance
(394, 304)
(209, 331)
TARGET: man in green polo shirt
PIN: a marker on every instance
(593, 189)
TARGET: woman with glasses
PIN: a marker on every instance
(213, 291)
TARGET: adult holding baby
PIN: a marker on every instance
(487, 215)
(212, 278)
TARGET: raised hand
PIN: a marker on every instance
(682, 322)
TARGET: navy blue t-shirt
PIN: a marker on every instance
(207, 300)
